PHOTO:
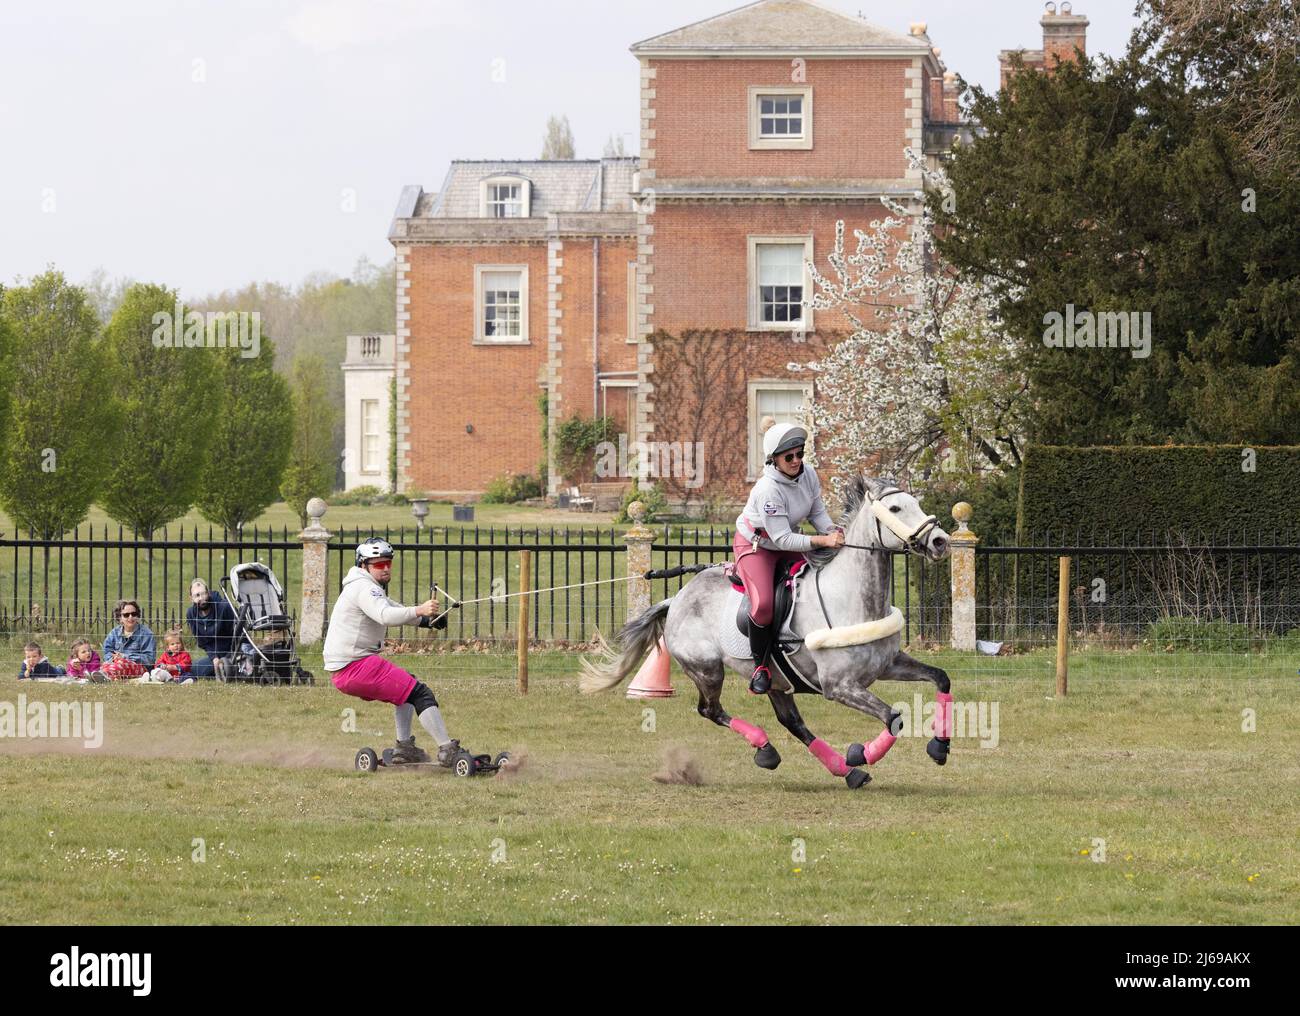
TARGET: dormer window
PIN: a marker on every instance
(505, 198)
(780, 118)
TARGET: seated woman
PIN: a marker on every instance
(129, 649)
(212, 620)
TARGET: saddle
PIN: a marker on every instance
(735, 634)
(784, 586)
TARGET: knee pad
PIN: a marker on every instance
(421, 698)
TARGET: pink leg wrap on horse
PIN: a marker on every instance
(878, 748)
(943, 715)
(754, 735)
(829, 757)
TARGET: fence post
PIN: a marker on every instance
(1063, 631)
(311, 618)
(521, 636)
(963, 579)
(638, 540)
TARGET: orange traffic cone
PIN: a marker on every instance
(652, 679)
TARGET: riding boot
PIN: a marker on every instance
(760, 644)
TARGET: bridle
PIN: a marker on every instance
(913, 540)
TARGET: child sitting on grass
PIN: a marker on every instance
(84, 662)
(36, 665)
(176, 661)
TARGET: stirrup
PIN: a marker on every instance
(761, 682)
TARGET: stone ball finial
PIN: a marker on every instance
(316, 509)
(636, 512)
(962, 512)
(766, 424)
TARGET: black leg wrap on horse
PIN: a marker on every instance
(937, 749)
(421, 698)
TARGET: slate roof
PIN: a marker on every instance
(783, 26)
(557, 186)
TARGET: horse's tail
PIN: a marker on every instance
(638, 637)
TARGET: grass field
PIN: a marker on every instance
(1147, 753)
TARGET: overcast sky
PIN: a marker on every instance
(208, 143)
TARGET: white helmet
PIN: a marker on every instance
(373, 549)
(781, 438)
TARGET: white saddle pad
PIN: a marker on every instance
(732, 641)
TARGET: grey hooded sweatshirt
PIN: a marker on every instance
(777, 504)
(359, 618)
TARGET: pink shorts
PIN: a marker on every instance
(374, 679)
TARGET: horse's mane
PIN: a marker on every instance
(855, 495)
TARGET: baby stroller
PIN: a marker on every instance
(265, 647)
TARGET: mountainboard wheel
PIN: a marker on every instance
(464, 765)
(501, 759)
(367, 760)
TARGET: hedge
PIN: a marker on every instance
(1171, 491)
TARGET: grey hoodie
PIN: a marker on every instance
(359, 618)
(777, 504)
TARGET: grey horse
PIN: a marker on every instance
(853, 588)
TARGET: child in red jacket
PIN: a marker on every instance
(176, 661)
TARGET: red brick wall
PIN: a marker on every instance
(616, 354)
(702, 123)
(701, 251)
(700, 282)
(454, 382)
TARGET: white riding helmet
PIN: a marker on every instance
(781, 438)
(374, 549)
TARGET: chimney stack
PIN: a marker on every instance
(951, 110)
(1063, 32)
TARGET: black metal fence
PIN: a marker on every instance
(1126, 586)
(579, 575)
(72, 585)
(1121, 584)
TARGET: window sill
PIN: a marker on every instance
(502, 342)
(780, 146)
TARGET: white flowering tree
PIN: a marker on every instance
(928, 379)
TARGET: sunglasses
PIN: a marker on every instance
(130, 613)
(792, 456)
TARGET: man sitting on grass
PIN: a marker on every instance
(356, 635)
(213, 622)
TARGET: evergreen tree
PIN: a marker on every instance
(1109, 186)
(63, 418)
(250, 441)
(168, 398)
(310, 472)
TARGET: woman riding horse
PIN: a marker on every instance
(785, 495)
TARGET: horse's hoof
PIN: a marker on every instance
(937, 749)
(767, 757)
(857, 778)
(856, 755)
